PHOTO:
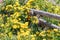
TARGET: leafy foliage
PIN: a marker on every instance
(17, 24)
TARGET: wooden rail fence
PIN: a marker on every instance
(47, 14)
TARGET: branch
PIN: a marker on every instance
(47, 14)
(48, 24)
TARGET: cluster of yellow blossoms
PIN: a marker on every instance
(17, 24)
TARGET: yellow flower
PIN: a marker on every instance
(37, 32)
(18, 8)
(56, 9)
(0, 15)
(15, 26)
(17, 4)
(49, 31)
(42, 33)
(24, 25)
(2, 25)
(19, 19)
(21, 30)
(21, 8)
(16, 14)
(14, 21)
(1, 34)
(58, 34)
(15, 8)
(49, 35)
(35, 19)
(18, 37)
(7, 24)
(28, 3)
(33, 38)
(59, 24)
(29, 29)
(3, 8)
(9, 7)
(56, 30)
(10, 34)
(32, 35)
(44, 39)
(27, 33)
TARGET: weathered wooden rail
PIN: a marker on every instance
(47, 14)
